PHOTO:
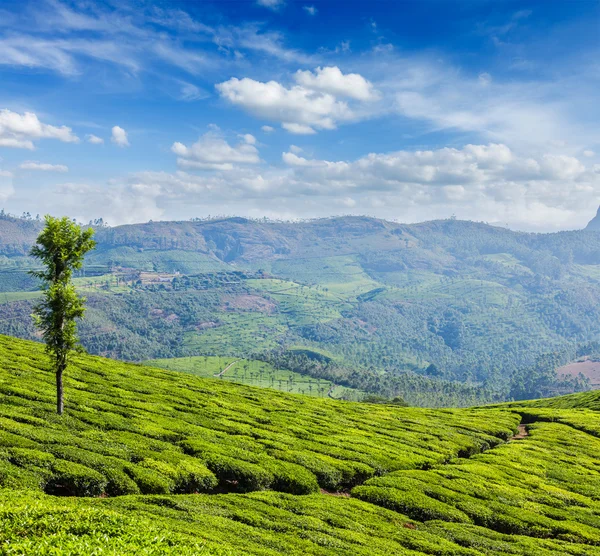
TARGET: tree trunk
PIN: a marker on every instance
(59, 390)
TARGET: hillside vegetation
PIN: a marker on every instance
(404, 310)
(150, 461)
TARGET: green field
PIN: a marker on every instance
(150, 461)
(9, 297)
(254, 373)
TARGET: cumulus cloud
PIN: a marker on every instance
(300, 110)
(248, 138)
(332, 80)
(488, 182)
(589, 153)
(119, 137)
(43, 167)
(298, 129)
(21, 130)
(116, 203)
(268, 129)
(212, 152)
(94, 139)
(314, 103)
(310, 10)
(293, 159)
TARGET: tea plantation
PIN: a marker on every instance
(151, 461)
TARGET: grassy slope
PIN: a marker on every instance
(148, 436)
(254, 373)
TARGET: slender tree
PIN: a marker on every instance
(61, 247)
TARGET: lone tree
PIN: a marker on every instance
(61, 247)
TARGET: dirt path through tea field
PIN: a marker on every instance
(227, 368)
(521, 433)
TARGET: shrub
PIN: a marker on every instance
(194, 477)
(119, 483)
(413, 504)
(149, 481)
(292, 478)
(74, 479)
(238, 475)
(26, 457)
(15, 477)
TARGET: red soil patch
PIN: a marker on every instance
(521, 433)
(588, 368)
(330, 493)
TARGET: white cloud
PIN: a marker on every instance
(271, 4)
(295, 149)
(268, 129)
(248, 138)
(7, 189)
(94, 139)
(300, 110)
(12, 142)
(311, 10)
(21, 130)
(294, 160)
(484, 79)
(189, 92)
(527, 114)
(44, 167)
(589, 153)
(212, 152)
(332, 80)
(298, 129)
(348, 202)
(479, 182)
(119, 137)
(117, 204)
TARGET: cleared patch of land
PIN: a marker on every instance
(588, 368)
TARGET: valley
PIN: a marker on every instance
(439, 313)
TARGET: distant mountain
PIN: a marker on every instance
(447, 299)
(594, 223)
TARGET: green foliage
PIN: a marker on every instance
(481, 304)
(73, 479)
(255, 373)
(61, 248)
(408, 480)
(160, 432)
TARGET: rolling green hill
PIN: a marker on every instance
(150, 461)
(461, 302)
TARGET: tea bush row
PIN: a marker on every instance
(142, 430)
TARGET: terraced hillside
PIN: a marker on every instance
(448, 300)
(150, 461)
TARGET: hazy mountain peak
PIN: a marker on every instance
(594, 223)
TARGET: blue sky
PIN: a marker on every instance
(411, 110)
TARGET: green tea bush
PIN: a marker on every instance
(192, 477)
(238, 475)
(148, 480)
(146, 437)
(73, 479)
(26, 457)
